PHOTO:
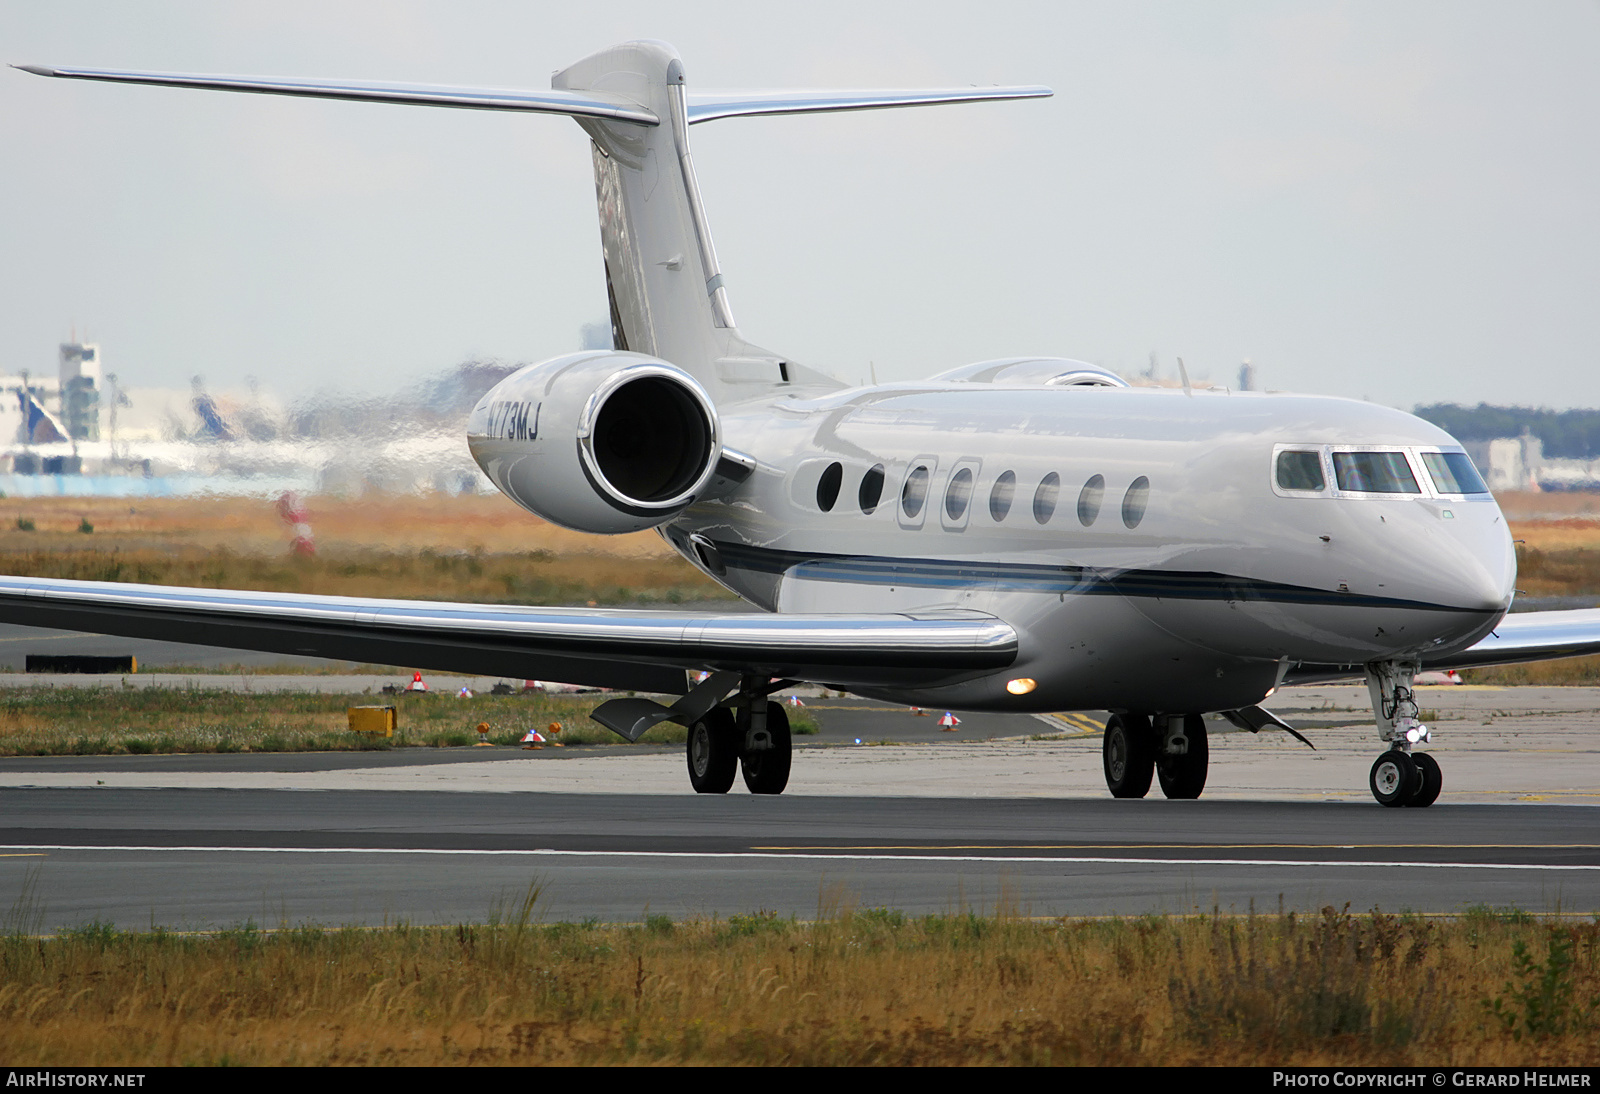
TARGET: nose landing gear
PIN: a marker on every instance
(1401, 776)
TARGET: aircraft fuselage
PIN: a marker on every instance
(1138, 540)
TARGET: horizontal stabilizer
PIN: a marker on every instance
(579, 104)
(706, 106)
(703, 106)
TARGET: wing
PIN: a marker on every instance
(1525, 636)
(1529, 636)
(635, 650)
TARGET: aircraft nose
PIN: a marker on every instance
(1482, 569)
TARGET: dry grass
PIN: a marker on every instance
(1570, 671)
(536, 577)
(871, 987)
(388, 522)
(1558, 571)
(1522, 505)
(433, 547)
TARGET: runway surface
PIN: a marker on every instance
(1007, 811)
(207, 858)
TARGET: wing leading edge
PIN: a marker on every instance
(1529, 636)
(636, 650)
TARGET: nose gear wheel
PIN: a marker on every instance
(1395, 779)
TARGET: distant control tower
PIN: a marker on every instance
(80, 390)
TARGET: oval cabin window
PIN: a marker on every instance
(1044, 498)
(915, 491)
(1135, 501)
(828, 486)
(1089, 498)
(958, 494)
(1005, 488)
(871, 491)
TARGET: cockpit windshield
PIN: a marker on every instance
(1360, 471)
(1453, 473)
(1374, 473)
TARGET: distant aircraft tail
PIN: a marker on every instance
(39, 426)
(665, 287)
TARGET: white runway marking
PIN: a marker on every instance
(779, 855)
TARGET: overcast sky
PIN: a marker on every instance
(1392, 200)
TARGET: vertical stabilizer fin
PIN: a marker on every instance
(665, 285)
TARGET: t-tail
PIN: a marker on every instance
(667, 295)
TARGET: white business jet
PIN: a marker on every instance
(1028, 534)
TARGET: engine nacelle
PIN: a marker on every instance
(601, 442)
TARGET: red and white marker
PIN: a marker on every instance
(949, 722)
(417, 683)
(295, 515)
(794, 701)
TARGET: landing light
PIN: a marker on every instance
(1021, 686)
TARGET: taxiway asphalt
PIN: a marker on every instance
(985, 817)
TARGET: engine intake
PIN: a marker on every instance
(600, 442)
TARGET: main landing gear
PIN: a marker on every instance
(751, 734)
(1171, 748)
(1401, 776)
(732, 726)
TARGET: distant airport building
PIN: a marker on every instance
(81, 380)
(1519, 463)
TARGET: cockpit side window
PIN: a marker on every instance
(1453, 473)
(1374, 473)
(1300, 471)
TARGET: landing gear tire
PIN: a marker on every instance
(767, 771)
(713, 750)
(1129, 755)
(1432, 781)
(1395, 779)
(1185, 776)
